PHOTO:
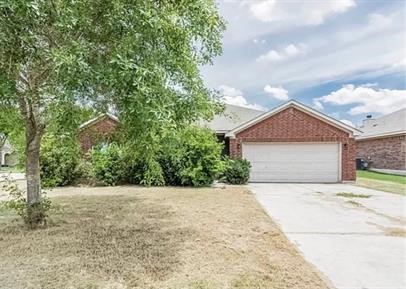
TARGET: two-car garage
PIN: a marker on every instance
(293, 162)
(295, 143)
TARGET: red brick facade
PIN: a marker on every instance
(100, 130)
(293, 125)
(384, 153)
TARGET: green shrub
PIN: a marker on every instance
(192, 158)
(59, 161)
(152, 175)
(33, 215)
(108, 165)
(171, 167)
(85, 172)
(237, 171)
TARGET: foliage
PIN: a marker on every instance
(139, 170)
(59, 161)
(85, 172)
(152, 174)
(141, 58)
(192, 158)
(107, 164)
(33, 215)
(237, 171)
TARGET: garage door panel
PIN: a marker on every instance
(293, 162)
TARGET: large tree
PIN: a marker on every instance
(140, 58)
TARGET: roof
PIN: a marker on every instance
(299, 106)
(232, 117)
(97, 119)
(387, 125)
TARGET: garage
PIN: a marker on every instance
(295, 143)
(293, 162)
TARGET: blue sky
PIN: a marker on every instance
(346, 58)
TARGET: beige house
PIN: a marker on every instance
(8, 157)
(383, 141)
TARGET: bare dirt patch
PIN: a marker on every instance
(129, 237)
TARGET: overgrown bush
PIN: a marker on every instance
(59, 161)
(33, 215)
(171, 166)
(237, 171)
(85, 172)
(108, 164)
(192, 158)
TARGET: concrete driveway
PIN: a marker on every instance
(356, 242)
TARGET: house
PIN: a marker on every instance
(8, 157)
(290, 143)
(97, 130)
(383, 141)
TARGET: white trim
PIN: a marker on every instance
(381, 135)
(97, 119)
(297, 105)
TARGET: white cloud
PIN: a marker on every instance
(261, 41)
(317, 104)
(366, 99)
(271, 55)
(304, 12)
(361, 50)
(277, 92)
(347, 122)
(289, 51)
(235, 96)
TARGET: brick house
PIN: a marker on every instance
(291, 143)
(97, 130)
(295, 143)
(383, 141)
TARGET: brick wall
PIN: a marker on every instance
(97, 132)
(293, 125)
(384, 153)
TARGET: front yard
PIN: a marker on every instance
(384, 182)
(131, 237)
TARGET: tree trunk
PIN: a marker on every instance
(32, 166)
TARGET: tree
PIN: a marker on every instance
(139, 58)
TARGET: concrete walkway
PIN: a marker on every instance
(356, 242)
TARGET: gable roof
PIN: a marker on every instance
(232, 117)
(299, 106)
(387, 125)
(97, 119)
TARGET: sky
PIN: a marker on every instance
(346, 58)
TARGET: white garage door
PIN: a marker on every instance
(293, 162)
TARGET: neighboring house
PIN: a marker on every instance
(383, 141)
(97, 130)
(291, 143)
(8, 157)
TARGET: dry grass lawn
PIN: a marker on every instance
(130, 237)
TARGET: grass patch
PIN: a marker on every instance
(381, 177)
(383, 182)
(128, 237)
(354, 203)
(10, 170)
(352, 195)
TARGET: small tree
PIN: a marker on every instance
(140, 58)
